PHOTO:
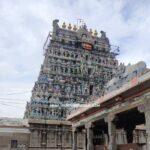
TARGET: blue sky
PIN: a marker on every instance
(24, 25)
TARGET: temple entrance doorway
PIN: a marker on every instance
(100, 135)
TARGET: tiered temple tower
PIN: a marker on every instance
(77, 64)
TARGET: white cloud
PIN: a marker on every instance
(25, 24)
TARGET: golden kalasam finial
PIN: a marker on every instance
(69, 26)
(95, 33)
(91, 32)
(74, 28)
(64, 25)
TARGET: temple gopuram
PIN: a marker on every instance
(76, 66)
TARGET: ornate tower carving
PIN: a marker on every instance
(76, 66)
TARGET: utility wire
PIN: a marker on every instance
(9, 102)
(11, 105)
(2, 98)
(16, 93)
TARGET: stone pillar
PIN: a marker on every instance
(89, 135)
(112, 132)
(146, 109)
(84, 138)
(147, 117)
(74, 130)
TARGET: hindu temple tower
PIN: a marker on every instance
(77, 64)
